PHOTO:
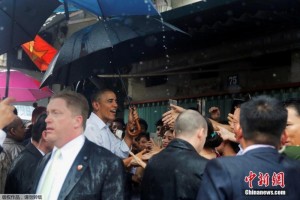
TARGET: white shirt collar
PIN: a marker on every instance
(43, 154)
(256, 146)
(98, 120)
(72, 148)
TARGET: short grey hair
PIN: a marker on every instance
(188, 122)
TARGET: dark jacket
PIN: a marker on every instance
(21, 173)
(11, 149)
(174, 173)
(228, 177)
(101, 175)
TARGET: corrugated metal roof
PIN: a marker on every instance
(212, 21)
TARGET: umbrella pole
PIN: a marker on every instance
(9, 54)
(124, 88)
(8, 63)
(101, 10)
(66, 9)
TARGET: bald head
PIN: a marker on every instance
(188, 122)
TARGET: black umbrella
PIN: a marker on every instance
(20, 21)
(106, 45)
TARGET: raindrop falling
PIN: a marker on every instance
(164, 43)
(1, 28)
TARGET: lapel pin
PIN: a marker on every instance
(79, 167)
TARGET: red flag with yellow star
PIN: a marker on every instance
(40, 52)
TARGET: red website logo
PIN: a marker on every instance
(264, 179)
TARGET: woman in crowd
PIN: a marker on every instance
(292, 140)
(167, 138)
(213, 140)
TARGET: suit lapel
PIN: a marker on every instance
(77, 169)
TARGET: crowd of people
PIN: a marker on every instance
(74, 154)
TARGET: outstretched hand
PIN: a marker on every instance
(226, 135)
(152, 146)
(138, 160)
(155, 150)
(170, 116)
(6, 112)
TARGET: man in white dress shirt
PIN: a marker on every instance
(105, 106)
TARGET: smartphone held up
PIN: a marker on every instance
(173, 102)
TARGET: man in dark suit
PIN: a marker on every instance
(176, 172)
(260, 172)
(21, 173)
(77, 168)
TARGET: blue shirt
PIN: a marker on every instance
(99, 133)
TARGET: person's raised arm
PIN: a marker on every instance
(6, 112)
(170, 116)
(6, 117)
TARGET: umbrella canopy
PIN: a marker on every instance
(23, 88)
(40, 52)
(20, 20)
(115, 42)
(112, 8)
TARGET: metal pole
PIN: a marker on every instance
(9, 54)
(124, 88)
(66, 9)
